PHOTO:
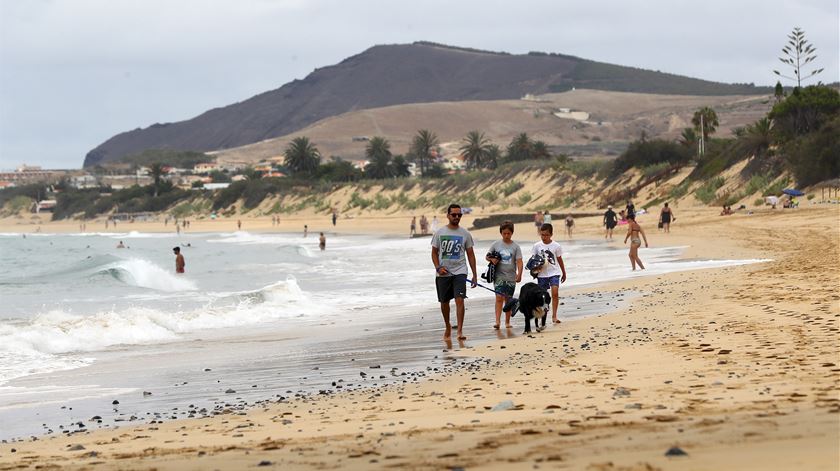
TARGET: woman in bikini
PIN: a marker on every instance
(633, 232)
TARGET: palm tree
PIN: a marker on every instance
(302, 157)
(421, 148)
(378, 153)
(757, 138)
(710, 121)
(688, 138)
(519, 148)
(475, 149)
(400, 167)
(156, 169)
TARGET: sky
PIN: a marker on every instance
(74, 73)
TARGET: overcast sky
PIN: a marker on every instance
(75, 72)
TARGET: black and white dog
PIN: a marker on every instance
(534, 303)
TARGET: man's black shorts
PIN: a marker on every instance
(448, 287)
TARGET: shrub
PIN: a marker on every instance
(680, 190)
(758, 202)
(776, 187)
(655, 151)
(707, 192)
(357, 201)
(810, 197)
(524, 198)
(381, 202)
(512, 187)
(755, 184)
(489, 196)
(589, 168)
(652, 170)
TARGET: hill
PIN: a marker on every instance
(609, 120)
(390, 75)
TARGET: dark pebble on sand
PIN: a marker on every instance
(76, 448)
(675, 451)
(230, 391)
(116, 402)
(265, 463)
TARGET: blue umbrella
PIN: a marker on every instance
(793, 192)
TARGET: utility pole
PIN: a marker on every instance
(701, 149)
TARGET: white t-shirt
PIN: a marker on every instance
(550, 252)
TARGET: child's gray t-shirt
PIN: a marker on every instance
(452, 245)
(506, 268)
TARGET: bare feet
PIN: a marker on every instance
(508, 326)
(461, 336)
(447, 334)
(496, 326)
(555, 320)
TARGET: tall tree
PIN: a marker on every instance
(539, 150)
(798, 53)
(156, 169)
(779, 91)
(302, 157)
(709, 121)
(688, 138)
(422, 145)
(475, 149)
(378, 153)
(519, 148)
(494, 155)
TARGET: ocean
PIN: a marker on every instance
(255, 317)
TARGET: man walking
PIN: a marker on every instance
(450, 245)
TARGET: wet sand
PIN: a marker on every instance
(730, 368)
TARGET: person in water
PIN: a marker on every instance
(121, 245)
(634, 230)
(179, 260)
(322, 242)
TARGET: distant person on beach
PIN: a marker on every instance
(665, 218)
(413, 228)
(538, 220)
(546, 218)
(305, 230)
(334, 217)
(121, 245)
(570, 224)
(424, 225)
(179, 260)
(322, 241)
(508, 270)
(631, 209)
(554, 271)
(610, 221)
(633, 232)
(239, 224)
(435, 224)
(452, 246)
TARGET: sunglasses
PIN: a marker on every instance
(456, 215)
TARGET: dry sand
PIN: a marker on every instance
(738, 367)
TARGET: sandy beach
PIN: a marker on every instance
(728, 368)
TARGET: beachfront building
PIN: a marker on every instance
(83, 181)
(25, 174)
(206, 167)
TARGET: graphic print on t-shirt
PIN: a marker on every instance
(549, 257)
(451, 247)
(507, 256)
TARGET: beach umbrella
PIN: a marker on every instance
(791, 192)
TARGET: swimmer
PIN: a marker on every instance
(633, 232)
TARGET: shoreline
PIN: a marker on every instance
(702, 360)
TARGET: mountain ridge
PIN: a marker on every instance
(385, 75)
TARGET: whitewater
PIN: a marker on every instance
(77, 303)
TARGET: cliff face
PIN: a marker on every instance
(392, 75)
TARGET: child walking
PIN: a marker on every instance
(554, 271)
(506, 255)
